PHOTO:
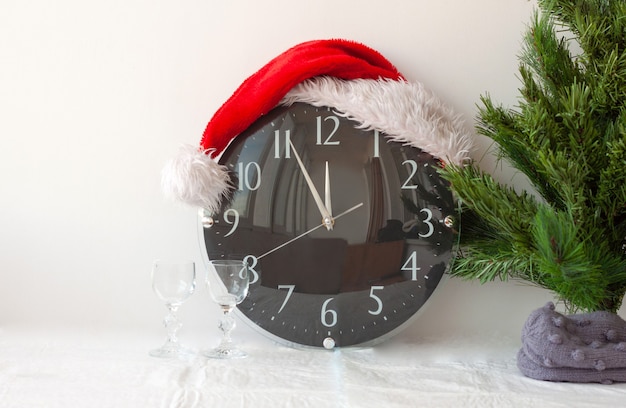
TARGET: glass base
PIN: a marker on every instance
(225, 353)
(172, 352)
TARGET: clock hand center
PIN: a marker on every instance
(349, 210)
(327, 219)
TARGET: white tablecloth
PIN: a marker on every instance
(47, 368)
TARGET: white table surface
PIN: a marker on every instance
(90, 368)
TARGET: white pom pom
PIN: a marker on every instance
(194, 178)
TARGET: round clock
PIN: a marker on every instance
(346, 233)
(321, 172)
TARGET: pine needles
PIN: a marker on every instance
(568, 136)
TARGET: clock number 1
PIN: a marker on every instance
(376, 143)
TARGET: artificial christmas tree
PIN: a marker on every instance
(568, 136)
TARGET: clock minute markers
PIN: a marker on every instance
(284, 244)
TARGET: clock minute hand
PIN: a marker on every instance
(327, 219)
(349, 210)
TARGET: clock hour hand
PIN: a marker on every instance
(327, 219)
(327, 203)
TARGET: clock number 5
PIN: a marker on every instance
(378, 301)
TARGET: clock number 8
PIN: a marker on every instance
(252, 261)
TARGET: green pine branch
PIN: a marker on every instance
(568, 136)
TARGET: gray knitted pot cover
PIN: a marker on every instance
(582, 348)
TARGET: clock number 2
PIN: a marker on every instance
(407, 184)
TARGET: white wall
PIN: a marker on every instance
(96, 95)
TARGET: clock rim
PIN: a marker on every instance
(368, 343)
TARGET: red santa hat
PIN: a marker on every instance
(354, 79)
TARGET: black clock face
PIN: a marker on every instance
(347, 256)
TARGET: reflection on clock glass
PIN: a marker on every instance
(346, 234)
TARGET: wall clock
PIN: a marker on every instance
(346, 235)
(321, 172)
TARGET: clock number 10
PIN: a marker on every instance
(249, 176)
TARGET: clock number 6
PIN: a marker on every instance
(328, 312)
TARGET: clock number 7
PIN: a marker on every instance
(290, 289)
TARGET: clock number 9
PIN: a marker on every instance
(235, 221)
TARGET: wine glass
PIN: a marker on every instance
(228, 284)
(173, 283)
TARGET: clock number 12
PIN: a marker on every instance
(328, 141)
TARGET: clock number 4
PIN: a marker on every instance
(411, 265)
